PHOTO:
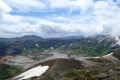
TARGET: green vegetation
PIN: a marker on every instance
(101, 72)
(90, 47)
(94, 46)
(117, 53)
(33, 51)
(7, 71)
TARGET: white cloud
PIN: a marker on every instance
(107, 14)
(26, 5)
(4, 7)
(103, 18)
(82, 5)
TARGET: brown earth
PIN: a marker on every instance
(4, 59)
(57, 65)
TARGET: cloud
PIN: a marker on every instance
(4, 7)
(107, 14)
(96, 17)
(72, 5)
(26, 5)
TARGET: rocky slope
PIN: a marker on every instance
(103, 68)
(64, 65)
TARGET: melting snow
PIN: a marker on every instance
(116, 38)
(118, 42)
(37, 71)
(37, 45)
(108, 55)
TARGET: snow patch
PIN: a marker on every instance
(101, 40)
(118, 42)
(36, 71)
(116, 38)
(36, 45)
(108, 55)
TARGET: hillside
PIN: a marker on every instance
(57, 65)
(7, 71)
(103, 72)
(61, 55)
(95, 68)
(90, 46)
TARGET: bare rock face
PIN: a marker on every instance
(21, 62)
(4, 59)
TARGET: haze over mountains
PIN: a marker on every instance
(33, 37)
(23, 38)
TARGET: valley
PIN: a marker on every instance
(59, 39)
(59, 55)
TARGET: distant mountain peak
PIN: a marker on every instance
(30, 36)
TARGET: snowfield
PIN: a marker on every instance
(36, 71)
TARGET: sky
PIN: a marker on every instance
(59, 18)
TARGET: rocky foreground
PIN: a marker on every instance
(90, 68)
(101, 72)
(61, 64)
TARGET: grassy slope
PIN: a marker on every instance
(92, 48)
(7, 71)
(88, 46)
(102, 72)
